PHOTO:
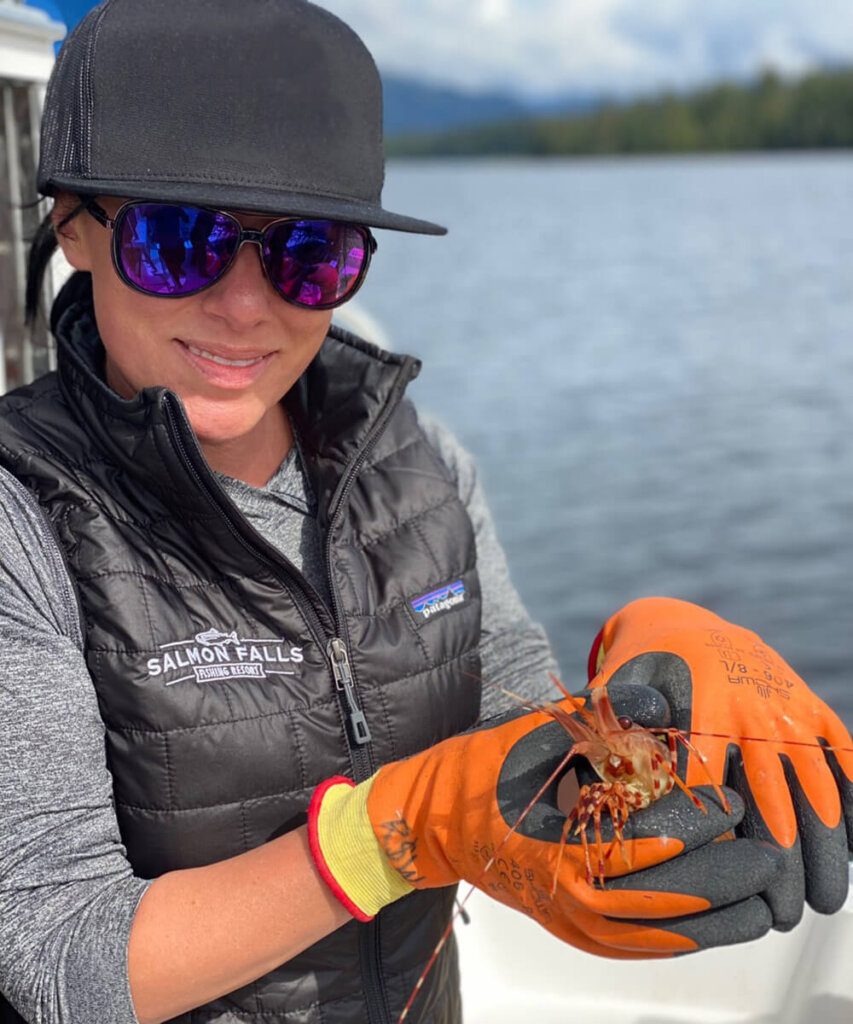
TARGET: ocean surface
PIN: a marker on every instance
(652, 360)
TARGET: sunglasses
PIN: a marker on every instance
(174, 250)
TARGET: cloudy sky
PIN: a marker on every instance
(614, 46)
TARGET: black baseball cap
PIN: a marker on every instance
(271, 106)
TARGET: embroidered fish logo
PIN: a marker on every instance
(216, 636)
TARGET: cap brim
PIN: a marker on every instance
(251, 199)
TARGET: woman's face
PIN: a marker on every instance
(230, 352)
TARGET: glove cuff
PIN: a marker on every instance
(596, 656)
(345, 849)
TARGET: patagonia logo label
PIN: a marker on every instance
(444, 599)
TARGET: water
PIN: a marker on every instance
(653, 362)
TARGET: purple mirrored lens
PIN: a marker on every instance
(174, 250)
(315, 263)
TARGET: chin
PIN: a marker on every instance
(223, 422)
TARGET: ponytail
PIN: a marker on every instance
(42, 248)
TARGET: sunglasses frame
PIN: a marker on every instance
(250, 235)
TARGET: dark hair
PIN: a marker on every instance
(42, 248)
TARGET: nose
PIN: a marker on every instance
(243, 295)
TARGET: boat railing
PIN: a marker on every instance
(27, 38)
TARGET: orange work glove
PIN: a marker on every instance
(761, 730)
(446, 814)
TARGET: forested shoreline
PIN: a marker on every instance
(813, 112)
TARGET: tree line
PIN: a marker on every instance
(813, 112)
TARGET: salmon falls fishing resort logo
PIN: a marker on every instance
(214, 656)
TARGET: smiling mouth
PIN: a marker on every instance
(221, 360)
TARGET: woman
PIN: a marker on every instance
(252, 573)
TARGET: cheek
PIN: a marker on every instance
(126, 317)
(136, 331)
(303, 333)
(115, 303)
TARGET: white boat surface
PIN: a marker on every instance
(513, 971)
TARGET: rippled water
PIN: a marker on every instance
(653, 362)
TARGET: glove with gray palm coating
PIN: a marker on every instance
(762, 732)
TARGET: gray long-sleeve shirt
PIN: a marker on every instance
(68, 894)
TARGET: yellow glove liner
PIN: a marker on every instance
(347, 852)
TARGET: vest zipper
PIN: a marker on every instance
(343, 680)
(374, 985)
(373, 979)
(361, 731)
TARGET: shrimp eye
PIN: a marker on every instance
(625, 722)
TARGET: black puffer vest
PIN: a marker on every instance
(212, 657)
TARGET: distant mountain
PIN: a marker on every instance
(414, 107)
(771, 113)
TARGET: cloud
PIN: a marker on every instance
(611, 46)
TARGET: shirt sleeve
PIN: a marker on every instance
(67, 891)
(514, 651)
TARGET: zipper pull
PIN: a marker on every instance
(343, 681)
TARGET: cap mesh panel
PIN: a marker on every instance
(68, 106)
